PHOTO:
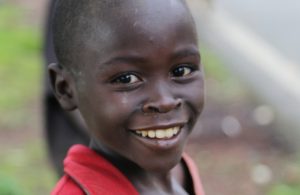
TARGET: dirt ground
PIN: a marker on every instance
(245, 161)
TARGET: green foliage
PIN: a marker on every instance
(20, 64)
(8, 186)
(213, 66)
(221, 84)
(283, 189)
(24, 168)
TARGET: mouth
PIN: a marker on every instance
(159, 134)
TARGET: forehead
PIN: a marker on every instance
(140, 25)
(153, 12)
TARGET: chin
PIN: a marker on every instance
(161, 163)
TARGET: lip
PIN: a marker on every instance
(160, 144)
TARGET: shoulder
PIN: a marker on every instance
(87, 172)
(66, 186)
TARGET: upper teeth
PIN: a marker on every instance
(159, 133)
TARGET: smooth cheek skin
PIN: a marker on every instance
(105, 116)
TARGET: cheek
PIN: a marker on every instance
(110, 123)
(114, 109)
(199, 97)
(107, 121)
(124, 100)
(194, 95)
(119, 105)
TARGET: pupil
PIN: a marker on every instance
(178, 71)
(125, 79)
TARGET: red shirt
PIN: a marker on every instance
(87, 172)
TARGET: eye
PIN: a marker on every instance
(182, 71)
(127, 78)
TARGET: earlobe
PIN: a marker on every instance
(62, 86)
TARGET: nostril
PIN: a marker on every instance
(179, 103)
(151, 109)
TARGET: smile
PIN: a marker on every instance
(167, 133)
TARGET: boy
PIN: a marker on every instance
(132, 68)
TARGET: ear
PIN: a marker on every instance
(63, 86)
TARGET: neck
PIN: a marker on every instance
(143, 180)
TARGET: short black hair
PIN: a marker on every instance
(74, 26)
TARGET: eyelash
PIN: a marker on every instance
(183, 70)
(126, 78)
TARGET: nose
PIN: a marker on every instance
(161, 100)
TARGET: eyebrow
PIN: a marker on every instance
(132, 59)
(186, 53)
(128, 59)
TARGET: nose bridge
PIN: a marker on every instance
(161, 98)
(161, 91)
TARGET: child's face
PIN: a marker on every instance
(142, 90)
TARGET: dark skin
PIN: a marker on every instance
(144, 75)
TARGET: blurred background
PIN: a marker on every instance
(247, 140)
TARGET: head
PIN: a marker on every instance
(133, 70)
